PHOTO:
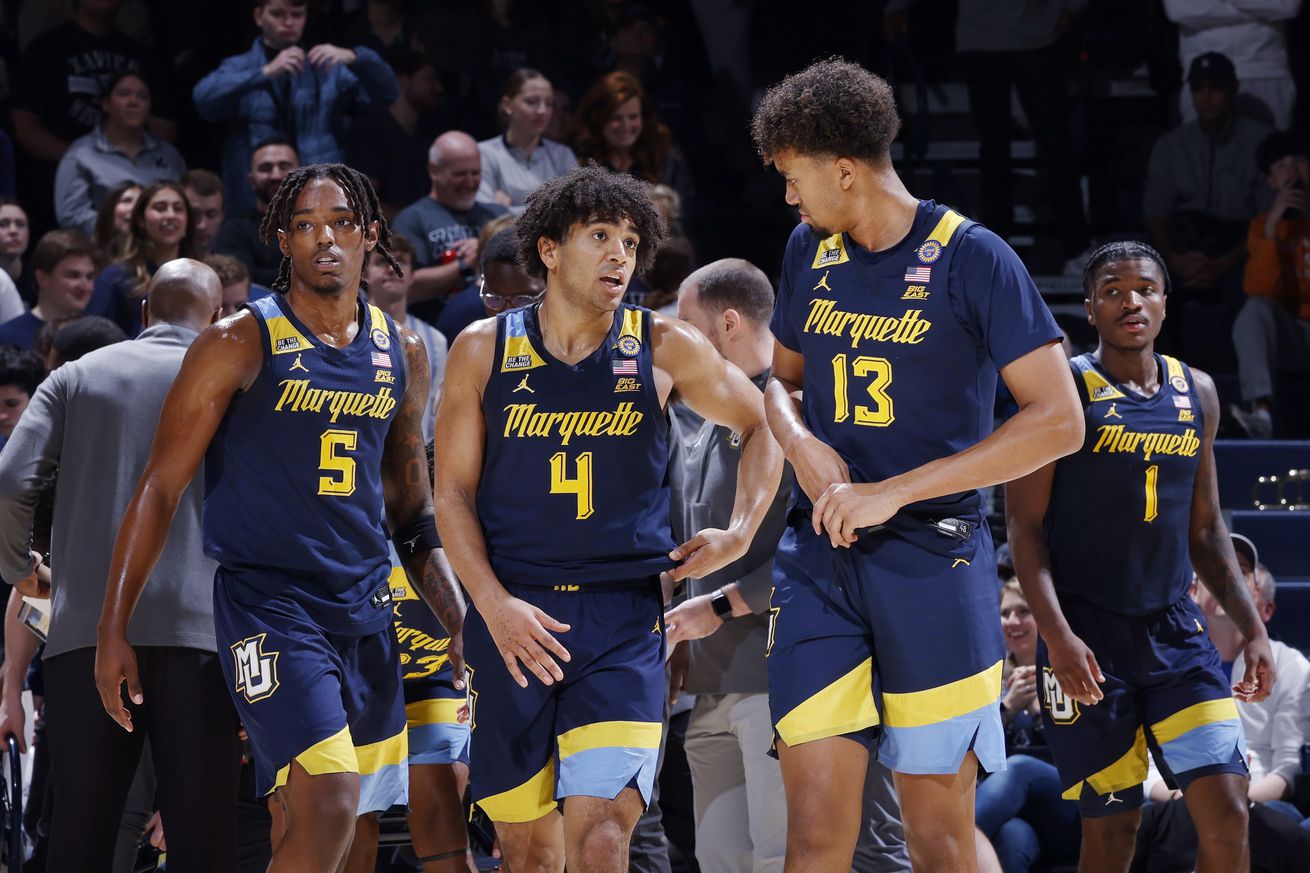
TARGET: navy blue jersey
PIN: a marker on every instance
(902, 346)
(293, 477)
(574, 482)
(1118, 521)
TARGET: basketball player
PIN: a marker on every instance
(552, 500)
(1104, 542)
(893, 317)
(309, 406)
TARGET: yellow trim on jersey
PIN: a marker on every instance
(336, 754)
(1194, 716)
(398, 582)
(1128, 771)
(376, 321)
(935, 705)
(526, 802)
(519, 353)
(1174, 369)
(391, 752)
(442, 710)
(831, 252)
(946, 227)
(843, 706)
(610, 735)
(631, 325)
(283, 338)
(1098, 388)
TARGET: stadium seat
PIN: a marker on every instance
(1240, 463)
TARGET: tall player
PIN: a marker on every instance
(1104, 542)
(552, 448)
(309, 405)
(893, 317)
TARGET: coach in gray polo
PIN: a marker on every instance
(94, 421)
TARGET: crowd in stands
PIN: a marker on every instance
(133, 133)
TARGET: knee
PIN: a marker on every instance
(1114, 834)
(938, 844)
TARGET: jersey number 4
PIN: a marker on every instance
(879, 373)
(579, 486)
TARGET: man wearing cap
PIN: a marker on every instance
(1202, 184)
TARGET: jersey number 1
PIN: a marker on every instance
(1152, 500)
(879, 372)
(579, 485)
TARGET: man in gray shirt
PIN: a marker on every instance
(94, 420)
(721, 629)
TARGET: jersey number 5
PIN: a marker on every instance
(339, 467)
(579, 485)
(879, 373)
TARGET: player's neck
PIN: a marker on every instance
(1135, 368)
(886, 212)
(334, 318)
(569, 332)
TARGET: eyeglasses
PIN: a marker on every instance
(495, 302)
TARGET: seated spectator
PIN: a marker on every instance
(1202, 182)
(114, 220)
(1020, 808)
(616, 126)
(235, 279)
(64, 266)
(504, 285)
(520, 159)
(444, 225)
(278, 88)
(75, 337)
(15, 234)
(270, 163)
(390, 144)
(204, 194)
(118, 150)
(160, 231)
(21, 371)
(1272, 330)
(390, 293)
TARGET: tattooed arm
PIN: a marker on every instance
(407, 489)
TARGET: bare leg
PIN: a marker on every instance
(937, 811)
(597, 831)
(824, 782)
(1218, 807)
(363, 854)
(319, 816)
(436, 817)
(533, 846)
(1109, 842)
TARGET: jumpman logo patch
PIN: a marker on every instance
(823, 283)
(297, 365)
(524, 386)
(1112, 412)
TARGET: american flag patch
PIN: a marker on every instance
(918, 274)
(381, 359)
(625, 368)
(1182, 402)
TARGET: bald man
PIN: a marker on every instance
(448, 220)
(94, 420)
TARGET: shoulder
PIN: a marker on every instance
(471, 356)
(674, 342)
(978, 246)
(411, 344)
(1204, 384)
(491, 147)
(418, 211)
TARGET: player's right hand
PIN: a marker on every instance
(13, 720)
(817, 465)
(522, 634)
(290, 60)
(1075, 668)
(116, 664)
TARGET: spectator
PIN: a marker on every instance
(235, 279)
(114, 220)
(160, 231)
(15, 234)
(75, 337)
(1251, 33)
(390, 293)
(1202, 182)
(1272, 330)
(384, 29)
(21, 371)
(390, 145)
(204, 194)
(95, 419)
(63, 264)
(1020, 808)
(616, 126)
(503, 285)
(270, 163)
(520, 159)
(118, 150)
(280, 89)
(448, 220)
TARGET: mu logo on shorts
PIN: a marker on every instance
(1063, 708)
(256, 670)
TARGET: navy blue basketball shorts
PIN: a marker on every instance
(330, 702)
(593, 734)
(1165, 690)
(888, 634)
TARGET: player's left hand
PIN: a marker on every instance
(455, 652)
(711, 549)
(1260, 676)
(692, 619)
(845, 508)
(327, 55)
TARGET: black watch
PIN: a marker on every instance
(721, 605)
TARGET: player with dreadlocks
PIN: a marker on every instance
(306, 407)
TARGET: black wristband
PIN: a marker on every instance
(419, 535)
(721, 605)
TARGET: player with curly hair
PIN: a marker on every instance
(551, 450)
(306, 408)
(893, 317)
